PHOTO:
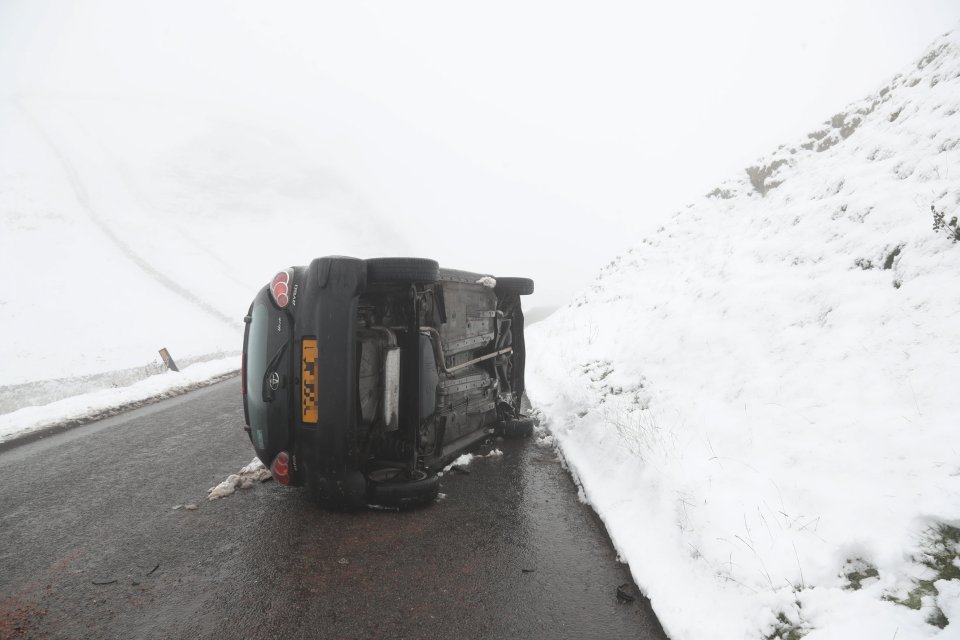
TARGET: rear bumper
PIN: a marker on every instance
(325, 308)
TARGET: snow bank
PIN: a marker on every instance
(766, 389)
(109, 401)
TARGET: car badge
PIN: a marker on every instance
(274, 381)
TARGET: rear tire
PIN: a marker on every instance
(518, 286)
(393, 270)
(515, 429)
(339, 494)
(391, 488)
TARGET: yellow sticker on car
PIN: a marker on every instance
(308, 385)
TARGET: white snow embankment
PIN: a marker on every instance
(761, 400)
(108, 401)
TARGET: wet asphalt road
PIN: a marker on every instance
(508, 553)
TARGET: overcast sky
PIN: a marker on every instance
(563, 130)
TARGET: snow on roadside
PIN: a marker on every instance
(760, 400)
(243, 479)
(96, 404)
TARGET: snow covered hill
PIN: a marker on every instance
(131, 225)
(761, 400)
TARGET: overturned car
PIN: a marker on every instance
(362, 377)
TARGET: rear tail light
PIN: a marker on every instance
(243, 373)
(280, 469)
(280, 288)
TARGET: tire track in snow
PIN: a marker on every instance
(83, 198)
(137, 192)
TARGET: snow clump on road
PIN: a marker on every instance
(244, 479)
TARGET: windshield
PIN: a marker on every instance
(256, 367)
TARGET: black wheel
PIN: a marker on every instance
(518, 428)
(393, 488)
(390, 270)
(519, 286)
(338, 494)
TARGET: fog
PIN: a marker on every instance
(518, 138)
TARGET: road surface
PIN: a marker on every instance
(93, 548)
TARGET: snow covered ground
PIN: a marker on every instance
(112, 399)
(147, 223)
(135, 226)
(761, 398)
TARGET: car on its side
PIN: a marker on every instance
(361, 378)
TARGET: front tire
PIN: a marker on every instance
(392, 488)
(399, 270)
(515, 428)
(518, 286)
